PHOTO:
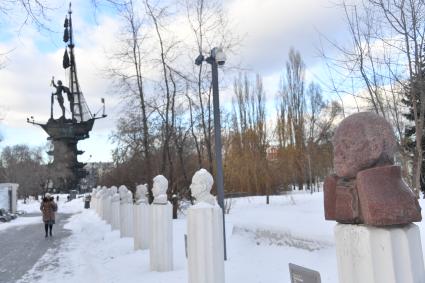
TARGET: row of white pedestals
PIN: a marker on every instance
(151, 226)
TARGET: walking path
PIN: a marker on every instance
(22, 246)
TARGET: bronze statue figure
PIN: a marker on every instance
(59, 89)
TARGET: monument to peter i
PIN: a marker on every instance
(65, 171)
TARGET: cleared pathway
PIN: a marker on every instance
(22, 246)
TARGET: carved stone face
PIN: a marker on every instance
(202, 182)
(160, 185)
(141, 192)
(129, 197)
(122, 191)
(362, 141)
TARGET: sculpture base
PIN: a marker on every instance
(115, 215)
(141, 226)
(367, 254)
(205, 244)
(161, 237)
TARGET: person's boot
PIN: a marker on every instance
(51, 234)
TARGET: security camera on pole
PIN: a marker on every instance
(217, 58)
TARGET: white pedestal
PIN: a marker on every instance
(205, 244)
(92, 203)
(141, 226)
(108, 209)
(129, 221)
(123, 219)
(161, 237)
(115, 215)
(376, 255)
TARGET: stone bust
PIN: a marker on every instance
(129, 197)
(367, 187)
(362, 141)
(122, 190)
(159, 190)
(141, 194)
(202, 182)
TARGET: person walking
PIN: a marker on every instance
(48, 207)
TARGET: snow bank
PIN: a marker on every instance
(262, 240)
(93, 253)
(21, 221)
(33, 206)
(291, 220)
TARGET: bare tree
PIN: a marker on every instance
(128, 74)
(385, 56)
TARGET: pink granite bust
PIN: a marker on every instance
(367, 188)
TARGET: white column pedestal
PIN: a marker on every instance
(161, 237)
(141, 226)
(129, 221)
(101, 207)
(123, 219)
(109, 210)
(205, 244)
(115, 215)
(368, 254)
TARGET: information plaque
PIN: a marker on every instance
(301, 274)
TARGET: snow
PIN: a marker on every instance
(71, 207)
(33, 206)
(261, 241)
(21, 221)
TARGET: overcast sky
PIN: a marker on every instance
(270, 27)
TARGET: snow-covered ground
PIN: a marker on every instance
(33, 206)
(261, 240)
(20, 221)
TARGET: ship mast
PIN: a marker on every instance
(74, 87)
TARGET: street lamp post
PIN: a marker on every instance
(217, 57)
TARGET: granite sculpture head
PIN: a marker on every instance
(362, 140)
(202, 182)
(368, 187)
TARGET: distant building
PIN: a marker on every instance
(272, 153)
(95, 172)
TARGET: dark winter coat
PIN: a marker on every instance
(48, 207)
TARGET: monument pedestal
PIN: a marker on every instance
(115, 214)
(205, 244)
(123, 220)
(129, 220)
(161, 237)
(367, 254)
(141, 226)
